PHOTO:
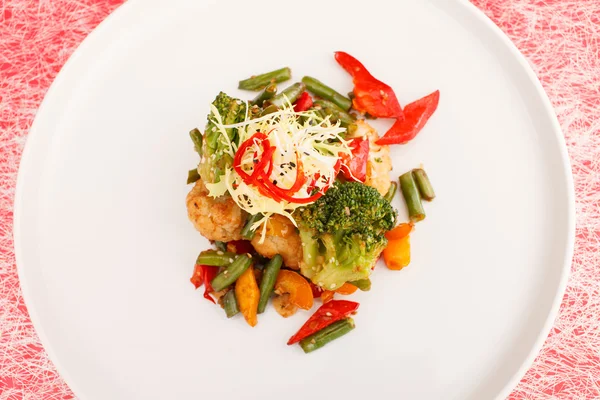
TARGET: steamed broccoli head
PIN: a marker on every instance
(214, 160)
(343, 233)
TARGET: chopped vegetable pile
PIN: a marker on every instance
(293, 190)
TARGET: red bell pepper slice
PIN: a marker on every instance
(416, 115)
(197, 277)
(354, 168)
(204, 274)
(326, 315)
(370, 94)
(303, 103)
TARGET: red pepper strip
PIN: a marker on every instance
(204, 274)
(303, 103)
(354, 167)
(416, 115)
(337, 166)
(316, 290)
(197, 277)
(237, 159)
(371, 95)
(240, 247)
(300, 177)
(326, 315)
(266, 157)
(283, 195)
(279, 194)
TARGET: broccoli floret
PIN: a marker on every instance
(343, 233)
(215, 160)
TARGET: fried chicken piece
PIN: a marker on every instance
(216, 219)
(281, 238)
(379, 163)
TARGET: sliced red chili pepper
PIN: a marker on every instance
(370, 94)
(266, 157)
(326, 315)
(416, 115)
(283, 195)
(354, 167)
(204, 274)
(237, 159)
(303, 103)
(300, 177)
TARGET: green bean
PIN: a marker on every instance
(327, 93)
(269, 92)
(336, 113)
(193, 176)
(221, 245)
(268, 281)
(247, 230)
(230, 304)
(258, 82)
(216, 258)
(225, 278)
(423, 184)
(269, 110)
(196, 136)
(412, 197)
(291, 94)
(363, 284)
(326, 335)
(351, 130)
(389, 196)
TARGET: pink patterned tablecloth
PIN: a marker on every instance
(560, 38)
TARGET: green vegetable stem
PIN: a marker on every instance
(228, 276)
(325, 92)
(269, 92)
(336, 113)
(268, 281)
(326, 335)
(389, 196)
(230, 304)
(259, 82)
(215, 258)
(291, 94)
(412, 197)
(423, 183)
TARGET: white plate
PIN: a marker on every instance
(105, 250)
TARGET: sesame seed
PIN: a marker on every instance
(332, 286)
(220, 253)
(225, 272)
(328, 314)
